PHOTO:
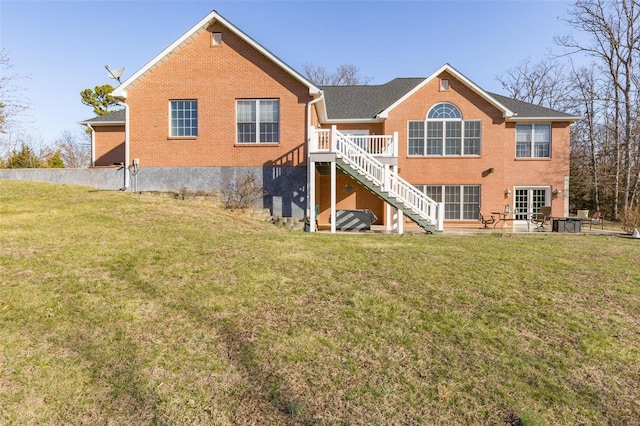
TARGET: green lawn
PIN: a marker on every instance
(117, 308)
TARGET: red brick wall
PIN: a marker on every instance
(349, 195)
(498, 149)
(109, 145)
(216, 76)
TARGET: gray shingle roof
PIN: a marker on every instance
(358, 102)
(354, 102)
(112, 117)
(527, 110)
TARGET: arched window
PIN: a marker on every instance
(444, 111)
(444, 132)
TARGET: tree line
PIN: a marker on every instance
(604, 148)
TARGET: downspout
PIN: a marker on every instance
(93, 145)
(126, 146)
(311, 102)
(311, 208)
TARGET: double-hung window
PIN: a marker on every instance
(258, 120)
(460, 201)
(533, 140)
(444, 132)
(183, 121)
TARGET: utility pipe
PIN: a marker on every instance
(126, 146)
(93, 145)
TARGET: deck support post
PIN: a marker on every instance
(311, 195)
(333, 197)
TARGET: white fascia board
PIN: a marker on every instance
(121, 92)
(517, 119)
(506, 112)
(353, 120)
(101, 123)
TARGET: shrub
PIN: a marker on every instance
(630, 219)
(25, 158)
(242, 192)
(55, 161)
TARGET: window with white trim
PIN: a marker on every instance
(258, 120)
(444, 132)
(460, 201)
(183, 121)
(533, 140)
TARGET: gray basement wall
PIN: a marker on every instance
(286, 186)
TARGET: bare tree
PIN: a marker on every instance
(344, 75)
(74, 148)
(12, 101)
(544, 83)
(613, 27)
(587, 137)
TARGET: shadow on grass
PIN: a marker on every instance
(264, 384)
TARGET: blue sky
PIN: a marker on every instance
(62, 46)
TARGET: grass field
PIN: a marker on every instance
(117, 308)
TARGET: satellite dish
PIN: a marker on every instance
(115, 74)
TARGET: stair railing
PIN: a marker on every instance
(388, 180)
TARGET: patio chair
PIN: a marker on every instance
(484, 221)
(541, 217)
(597, 219)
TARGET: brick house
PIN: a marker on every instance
(216, 105)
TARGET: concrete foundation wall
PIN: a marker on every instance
(286, 186)
(100, 178)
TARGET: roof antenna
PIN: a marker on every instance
(115, 74)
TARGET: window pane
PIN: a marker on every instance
(472, 138)
(541, 140)
(269, 111)
(444, 110)
(523, 149)
(434, 192)
(523, 133)
(452, 202)
(416, 138)
(258, 121)
(246, 133)
(471, 201)
(542, 133)
(434, 137)
(453, 142)
(246, 112)
(541, 149)
(184, 118)
(269, 132)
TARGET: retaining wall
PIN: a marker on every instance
(286, 186)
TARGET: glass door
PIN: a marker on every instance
(529, 200)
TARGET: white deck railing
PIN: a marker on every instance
(376, 145)
(359, 152)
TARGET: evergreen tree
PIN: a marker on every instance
(99, 98)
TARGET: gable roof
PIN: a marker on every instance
(374, 103)
(207, 21)
(110, 119)
(506, 112)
